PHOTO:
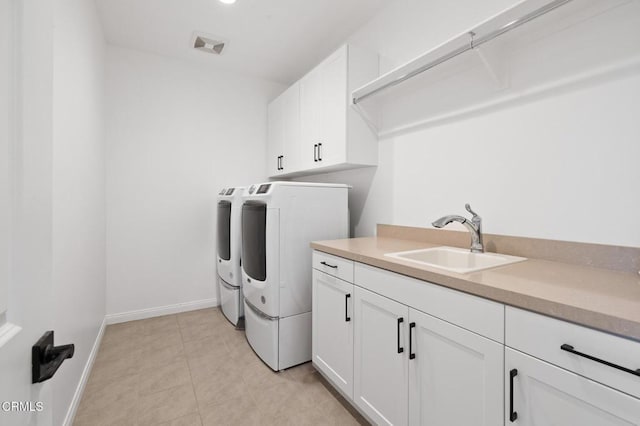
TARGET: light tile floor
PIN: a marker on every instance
(194, 368)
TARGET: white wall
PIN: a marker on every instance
(561, 167)
(176, 134)
(79, 276)
(6, 77)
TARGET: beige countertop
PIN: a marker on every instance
(604, 299)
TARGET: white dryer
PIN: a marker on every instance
(228, 253)
(279, 221)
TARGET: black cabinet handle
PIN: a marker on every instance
(412, 355)
(319, 152)
(327, 264)
(512, 414)
(570, 348)
(282, 162)
(347, 318)
(315, 152)
(400, 348)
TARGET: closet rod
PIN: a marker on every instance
(472, 44)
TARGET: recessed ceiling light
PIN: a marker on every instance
(227, 1)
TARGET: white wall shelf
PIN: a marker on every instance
(531, 49)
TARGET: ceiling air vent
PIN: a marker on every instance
(209, 45)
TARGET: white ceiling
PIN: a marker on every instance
(277, 40)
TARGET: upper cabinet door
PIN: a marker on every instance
(455, 375)
(283, 150)
(333, 109)
(310, 118)
(291, 129)
(323, 112)
(275, 137)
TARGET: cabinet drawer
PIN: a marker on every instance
(543, 337)
(333, 265)
(479, 315)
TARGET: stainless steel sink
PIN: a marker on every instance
(457, 260)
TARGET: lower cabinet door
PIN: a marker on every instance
(380, 358)
(538, 393)
(455, 375)
(332, 343)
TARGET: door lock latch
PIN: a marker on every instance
(46, 358)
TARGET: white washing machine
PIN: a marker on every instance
(279, 221)
(229, 250)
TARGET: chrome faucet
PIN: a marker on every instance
(474, 227)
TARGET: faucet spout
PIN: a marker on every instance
(445, 220)
(474, 227)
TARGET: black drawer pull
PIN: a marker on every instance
(569, 348)
(513, 416)
(330, 266)
(400, 348)
(412, 355)
(347, 318)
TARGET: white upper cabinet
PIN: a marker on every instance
(323, 112)
(331, 134)
(284, 132)
(275, 136)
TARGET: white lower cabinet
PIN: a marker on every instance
(403, 352)
(380, 387)
(541, 394)
(455, 376)
(332, 339)
(413, 368)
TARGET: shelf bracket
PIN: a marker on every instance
(491, 63)
(366, 117)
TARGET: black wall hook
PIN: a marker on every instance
(46, 358)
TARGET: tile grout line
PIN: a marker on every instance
(193, 387)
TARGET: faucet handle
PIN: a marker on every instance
(475, 215)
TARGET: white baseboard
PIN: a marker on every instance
(161, 310)
(77, 396)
